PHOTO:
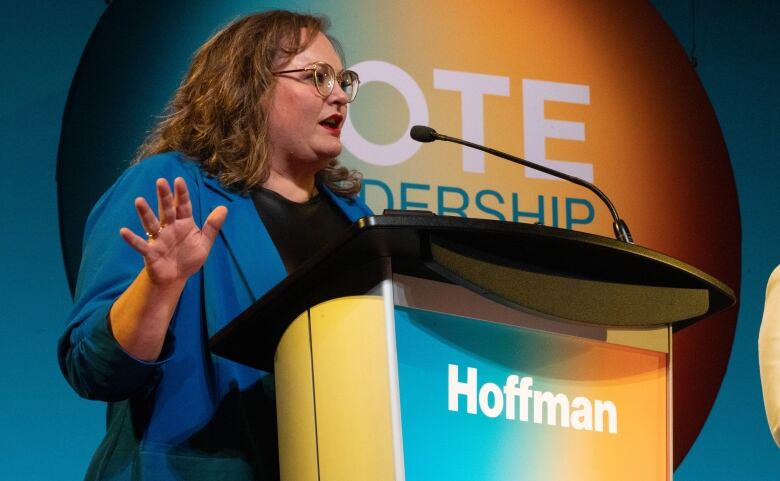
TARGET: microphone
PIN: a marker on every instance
(422, 133)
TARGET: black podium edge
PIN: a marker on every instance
(356, 263)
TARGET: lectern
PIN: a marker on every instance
(424, 347)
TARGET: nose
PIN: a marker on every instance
(338, 96)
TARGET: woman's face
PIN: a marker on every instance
(304, 127)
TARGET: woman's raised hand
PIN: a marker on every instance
(174, 247)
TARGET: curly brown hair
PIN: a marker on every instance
(218, 117)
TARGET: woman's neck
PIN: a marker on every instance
(297, 189)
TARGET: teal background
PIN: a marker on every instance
(738, 63)
(49, 434)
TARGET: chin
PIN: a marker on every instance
(329, 154)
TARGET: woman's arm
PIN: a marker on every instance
(769, 353)
(115, 291)
(174, 250)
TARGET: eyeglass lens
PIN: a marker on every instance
(325, 78)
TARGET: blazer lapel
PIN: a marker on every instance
(247, 240)
(244, 263)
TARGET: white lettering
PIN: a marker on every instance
(608, 408)
(523, 392)
(582, 415)
(404, 148)
(552, 401)
(468, 389)
(495, 401)
(473, 87)
(537, 128)
(485, 393)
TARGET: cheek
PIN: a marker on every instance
(293, 111)
(280, 106)
(284, 125)
(297, 114)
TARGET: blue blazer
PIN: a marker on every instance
(190, 414)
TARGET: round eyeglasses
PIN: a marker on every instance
(325, 77)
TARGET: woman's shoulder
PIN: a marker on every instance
(139, 179)
(166, 164)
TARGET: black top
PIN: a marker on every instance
(298, 230)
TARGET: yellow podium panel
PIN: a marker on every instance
(334, 400)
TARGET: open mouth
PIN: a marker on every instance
(332, 122)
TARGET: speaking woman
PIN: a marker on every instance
(243, 169)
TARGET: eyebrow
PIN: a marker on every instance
(309, 64)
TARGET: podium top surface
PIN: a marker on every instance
(556, 273)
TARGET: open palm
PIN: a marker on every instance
(175, 248)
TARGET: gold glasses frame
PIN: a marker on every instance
(325, 79)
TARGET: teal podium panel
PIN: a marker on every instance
(493, 402)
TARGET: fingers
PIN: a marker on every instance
(214, 222)
(137, 243)
(171, 206)
(182, 200)
(165, 203)
(148, 220)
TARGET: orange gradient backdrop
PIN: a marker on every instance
(650, 135)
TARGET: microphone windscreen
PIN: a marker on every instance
(421, 133)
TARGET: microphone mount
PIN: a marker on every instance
(423, 133)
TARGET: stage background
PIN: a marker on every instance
(48, 433)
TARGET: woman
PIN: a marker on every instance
(769, 354)
(249, 143)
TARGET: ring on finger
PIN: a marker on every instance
(151, 236)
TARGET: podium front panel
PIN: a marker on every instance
(497, 403)
(375, 387)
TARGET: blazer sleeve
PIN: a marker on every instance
(769, 354)
(90, 358)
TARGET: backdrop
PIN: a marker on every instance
(698, 224)
(601, 90)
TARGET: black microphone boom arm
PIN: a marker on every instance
(422, 133)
